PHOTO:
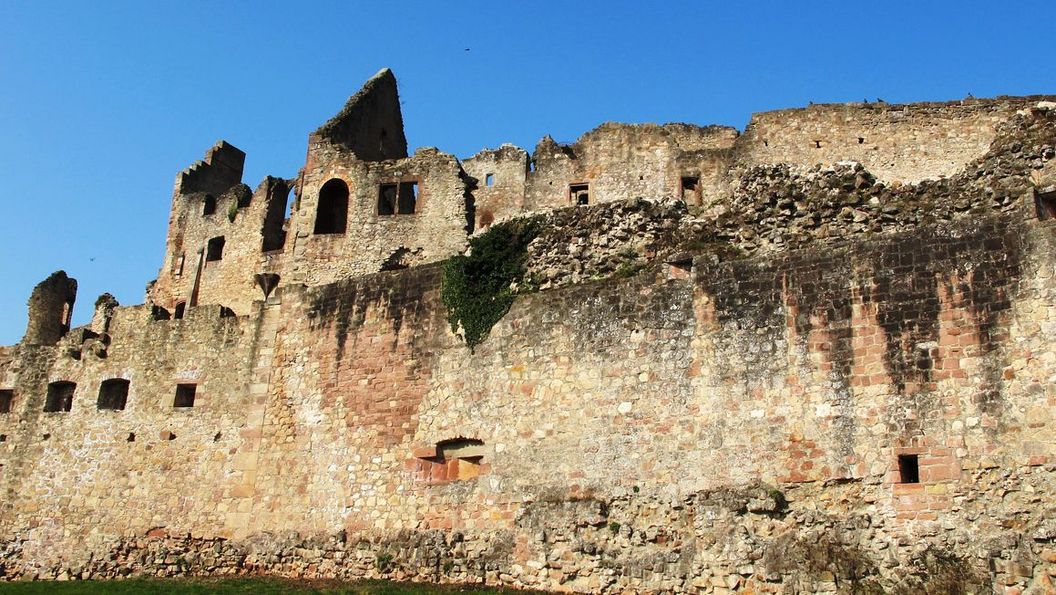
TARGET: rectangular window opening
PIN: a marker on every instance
(113, 394)
(489, 179)
(185, 395)
(908, 469)
(387, 199)
(59, 397)
(579, 194)
(7, 399)
(408, 200)
(215, 249)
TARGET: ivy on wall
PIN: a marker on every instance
(476, 286)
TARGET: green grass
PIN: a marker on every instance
(231, 586)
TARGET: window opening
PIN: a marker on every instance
(489, 179)
(1045, 203)
(180, 309)
(210, 205)
(7, 398)
(185, 395)
(908, 469)
(59, 396)
(691, 190)
(113, 394)
(215, 249)
(579, 194)
(387, 199)
(331, 216)
(408, 199)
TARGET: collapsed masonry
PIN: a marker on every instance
(815, 356)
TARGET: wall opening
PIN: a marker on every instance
(579, 194)
(332, 214)
(59, 396)
(680, 269)
(861, 140)
(185, 395)
(3, 437)
(408, 198)
(453, 459)
(210, 205)
(131, 437)
(113, 394)
(179, 311)
(398, 199)
(489, 179)
(7, 399)
(1045, 203)
(387, 199)
(817, 144)
(244, 200)
(908, 469)
(691, 190)
(159, 313)
(214, 249)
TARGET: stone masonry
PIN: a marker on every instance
(816, 356)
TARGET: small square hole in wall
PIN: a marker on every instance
(579, 194)
(489, 179)
(908, 469)
(185, 395)
(3, 437)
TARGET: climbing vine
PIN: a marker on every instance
(477, 287)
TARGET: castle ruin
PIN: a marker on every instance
(814, 356)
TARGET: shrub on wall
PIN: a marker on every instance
(476, 287)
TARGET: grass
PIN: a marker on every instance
(232, 586)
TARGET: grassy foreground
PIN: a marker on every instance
(256, 586)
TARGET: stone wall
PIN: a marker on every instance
(371, 241)
(498, 184)
(808, 379)
(244, 227)
(621, 161)
(906, 143)
(739, 428)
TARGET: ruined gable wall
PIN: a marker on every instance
(905, 143)
(435, 231)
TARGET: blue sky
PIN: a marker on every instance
(102, 103)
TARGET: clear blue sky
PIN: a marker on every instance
(102, 103)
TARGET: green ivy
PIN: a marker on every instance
(477, 288)
(232, 211)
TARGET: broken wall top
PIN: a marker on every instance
(371, 123)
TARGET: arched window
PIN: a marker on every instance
(332, 215)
